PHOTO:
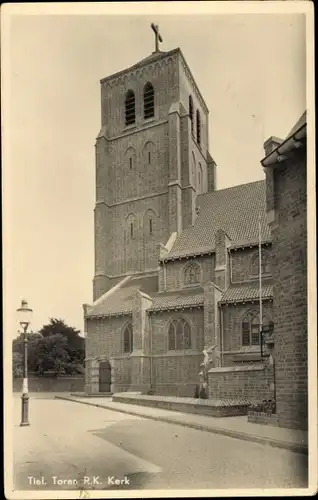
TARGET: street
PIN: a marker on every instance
(76, 446)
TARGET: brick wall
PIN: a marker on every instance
(248, 382)
(241, 263)
(289, 237)
(175, 272)
(164, 77)
(104, 336)
(176, 372)
(232, 324)
(51, 384)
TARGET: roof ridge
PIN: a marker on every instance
(210, 193)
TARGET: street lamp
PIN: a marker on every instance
(25, 313)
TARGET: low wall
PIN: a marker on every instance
(51, 384)
(261, 418)
(186, 405)
(252, 382)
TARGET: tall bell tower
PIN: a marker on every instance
(152, 161)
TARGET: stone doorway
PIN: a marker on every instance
(104, 376)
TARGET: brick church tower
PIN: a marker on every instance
(152, 161)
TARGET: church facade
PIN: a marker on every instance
(176, 260)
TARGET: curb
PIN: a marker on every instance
(295, 447)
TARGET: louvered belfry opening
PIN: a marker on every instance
(130, 111)
(198, 128)
(149, 101)
(191, 113)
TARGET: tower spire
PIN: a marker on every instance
(158, 37)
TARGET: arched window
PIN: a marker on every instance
(251, 328)
(265, 263)
(130, 157)
(149, 101)
(198, 128)
(193, 169)
(200, 179)
(149, 224)
(179, 335)
(191, 113)
(128, 338)
(131, 223)
(130, 108)
(149, 153)
(192, 274)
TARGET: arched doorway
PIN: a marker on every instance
(104, 376)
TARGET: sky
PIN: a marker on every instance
(250, 69)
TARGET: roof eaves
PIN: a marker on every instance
(293, 142)
(197, 305)
(252, 244)
(106, 315)
(177, 256)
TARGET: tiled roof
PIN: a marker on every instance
(178, 300)
(235, 210)
(246, 292)
(121, 300)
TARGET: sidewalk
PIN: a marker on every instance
(236, 427)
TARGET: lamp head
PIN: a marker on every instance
(24, 314)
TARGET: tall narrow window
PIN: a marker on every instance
(191, 113)
(131, 230)
(179, 335)
(150, 226)
(198, 128)
(130, 108)
(192, 274)
(149, 157)
(130, 163)
(149, 101)
(128, 339)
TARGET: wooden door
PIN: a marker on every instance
(104, 376)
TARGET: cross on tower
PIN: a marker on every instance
(158, 38)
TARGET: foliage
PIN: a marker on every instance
(57, 348)
(266, 406)
(197, 391)
(17, 364)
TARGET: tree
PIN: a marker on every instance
(18, 350)
(57, 347)
(75, 343)
(52, 354)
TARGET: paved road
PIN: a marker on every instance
(68, 442)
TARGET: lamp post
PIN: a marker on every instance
(25, 313)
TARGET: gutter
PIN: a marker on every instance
(293, 142)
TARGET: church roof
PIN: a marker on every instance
(246, 292)
(120, 301)
(192, 297)
(235, 210)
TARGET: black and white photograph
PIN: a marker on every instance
(159, 247)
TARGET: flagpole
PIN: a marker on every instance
(260, 284)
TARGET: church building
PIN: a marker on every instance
(176, 260)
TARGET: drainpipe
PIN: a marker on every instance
(150, 354)
(222, 336)
(164, 276)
